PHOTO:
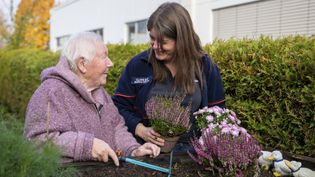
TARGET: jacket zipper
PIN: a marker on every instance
(98, 111)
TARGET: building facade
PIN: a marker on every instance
(124, 21)
(118, 21)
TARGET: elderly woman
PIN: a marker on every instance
(72, 109)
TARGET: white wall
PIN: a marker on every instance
(83, 15)
(202, 15)
(112, 16)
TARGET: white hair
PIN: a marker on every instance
(81, 45)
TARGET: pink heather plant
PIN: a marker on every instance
(167, 116)
(224, 147)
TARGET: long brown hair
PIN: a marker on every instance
(173, 21)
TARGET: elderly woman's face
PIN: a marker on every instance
(165, 51)
(97, 69)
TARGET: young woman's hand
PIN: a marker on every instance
(101, 151)
(146, 149)
(149, 135)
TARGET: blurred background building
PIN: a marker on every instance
(124, 21)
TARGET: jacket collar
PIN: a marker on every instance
(144, 56)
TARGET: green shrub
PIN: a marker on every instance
(20, 158)
(271, 86)
(20, 75)
(120, 56)
(268, 82)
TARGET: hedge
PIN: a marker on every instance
(20, 75)
(269, 83)
(120, 55)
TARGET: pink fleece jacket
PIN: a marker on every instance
(62, 110)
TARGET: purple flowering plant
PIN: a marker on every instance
(167, 116)
(224, 147)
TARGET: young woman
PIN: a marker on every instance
(175, 62)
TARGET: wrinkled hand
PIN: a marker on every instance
(149, 135)
(146, 149)
(101, 151)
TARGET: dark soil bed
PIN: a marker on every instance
(183, 166)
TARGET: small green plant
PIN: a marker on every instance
(167, 116)
(21, 158)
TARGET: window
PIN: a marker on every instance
(132, 28)
(98, 31)
(137, 32)
(142, 26)
(274, 18)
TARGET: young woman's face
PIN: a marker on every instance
(165, 50)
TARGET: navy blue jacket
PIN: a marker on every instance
(137, 79)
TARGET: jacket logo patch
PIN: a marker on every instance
(140, 80)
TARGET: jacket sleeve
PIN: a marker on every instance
(123, 139)
(46, 119)
(215, 90)
(124, 99)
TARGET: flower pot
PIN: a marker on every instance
(169, 144)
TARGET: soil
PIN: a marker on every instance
(183, 166)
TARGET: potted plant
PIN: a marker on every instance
(169, 118)
(224, 147)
